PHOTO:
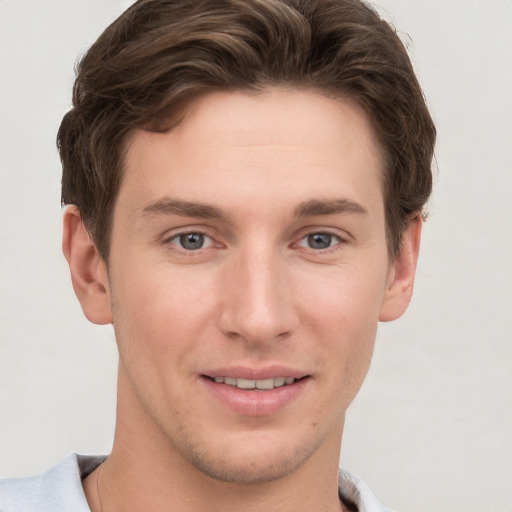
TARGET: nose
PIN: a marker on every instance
(257, 305)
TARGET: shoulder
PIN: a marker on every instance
(59, 488)
(356, 492)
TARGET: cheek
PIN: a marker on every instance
(341, 311)
(158, 312)
(344, 299)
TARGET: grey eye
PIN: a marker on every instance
(191, 241)
(319, 240)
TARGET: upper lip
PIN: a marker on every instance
(255, 373)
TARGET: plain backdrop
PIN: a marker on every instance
(432, 426)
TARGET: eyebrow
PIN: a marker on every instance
(329, 207)
(167, 206)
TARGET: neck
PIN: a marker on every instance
(132, 481)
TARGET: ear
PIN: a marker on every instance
(88, 269)
(400, 282)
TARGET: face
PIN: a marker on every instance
(247, 272)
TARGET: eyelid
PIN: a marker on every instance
(185, 229)
(171, 236)
(342, 238)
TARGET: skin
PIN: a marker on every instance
(263, 179)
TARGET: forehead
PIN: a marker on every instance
(235, 145)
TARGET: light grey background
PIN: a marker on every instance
(432, 426)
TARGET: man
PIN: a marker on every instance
(245, 182)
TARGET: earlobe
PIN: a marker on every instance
(87, 267)
(400, 283)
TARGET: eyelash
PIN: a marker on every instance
(178, 239)
(338, 240)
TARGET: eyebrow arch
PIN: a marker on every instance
(168, 206)
(329, 207)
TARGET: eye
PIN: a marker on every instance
(319, 241)
(191, 241)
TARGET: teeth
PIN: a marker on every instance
(279, 381)
(265, 384)
(276, 382)
(245, 384)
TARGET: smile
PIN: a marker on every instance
(247, 395)
(263, 384)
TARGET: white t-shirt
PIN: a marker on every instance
(60, 489)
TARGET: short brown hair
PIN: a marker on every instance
(160, 53)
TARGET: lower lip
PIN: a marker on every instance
(256, 402)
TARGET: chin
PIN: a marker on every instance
(250, 465)
(254, 471)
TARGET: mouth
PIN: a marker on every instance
(257, 391)
(255, 384)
